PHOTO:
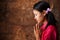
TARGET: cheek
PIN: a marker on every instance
(37, 18)
(40, 18)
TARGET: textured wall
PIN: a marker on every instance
(16, 19)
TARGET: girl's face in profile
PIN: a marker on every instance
(38, 16)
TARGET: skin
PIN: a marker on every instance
(40, 18)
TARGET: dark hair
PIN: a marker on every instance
(42, 5)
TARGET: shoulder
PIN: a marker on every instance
(51, 28)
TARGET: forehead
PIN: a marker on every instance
(36, 12)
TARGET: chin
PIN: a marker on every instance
(39, 22)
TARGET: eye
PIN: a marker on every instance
(35, 14)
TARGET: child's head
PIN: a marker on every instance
(42, 12)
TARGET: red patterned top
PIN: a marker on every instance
(49, 33)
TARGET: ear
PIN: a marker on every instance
(44, 12)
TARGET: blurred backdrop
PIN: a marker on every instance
(16, 18)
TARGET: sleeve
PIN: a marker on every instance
(49, 34)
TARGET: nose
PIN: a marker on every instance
(34, 19)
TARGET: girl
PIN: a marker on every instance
(45, 28)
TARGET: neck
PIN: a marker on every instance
(45, 21)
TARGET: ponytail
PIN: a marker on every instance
(50, 18)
